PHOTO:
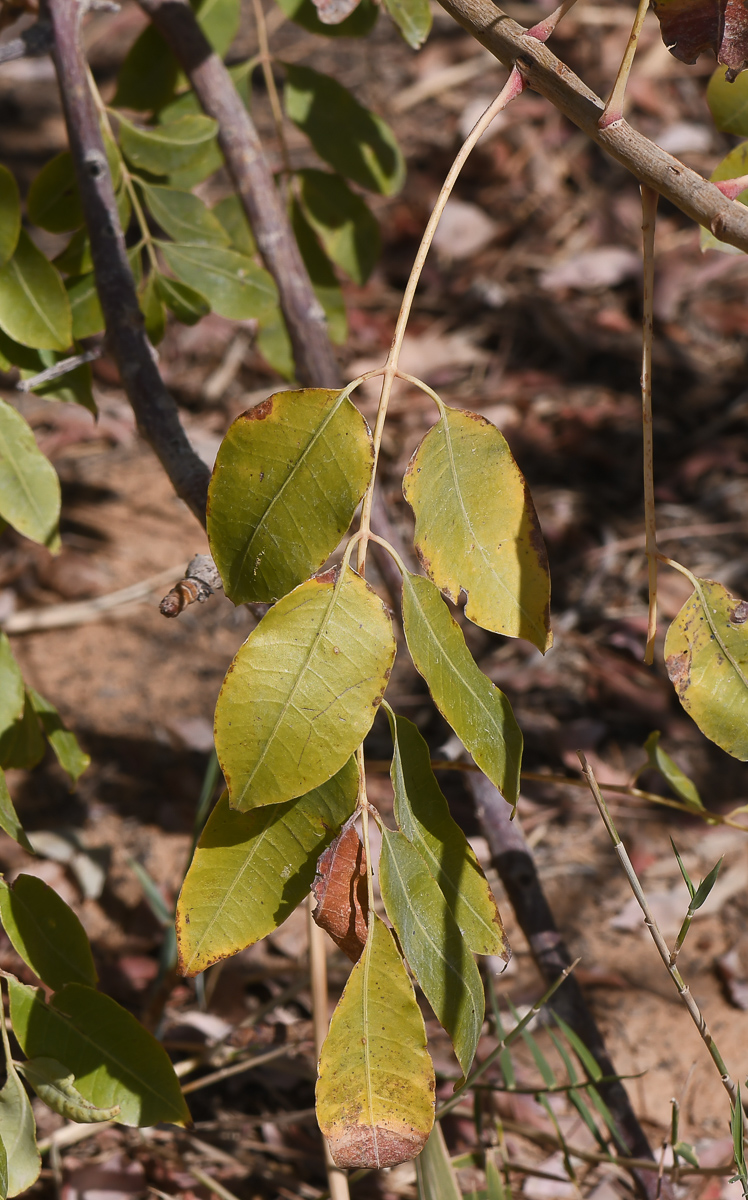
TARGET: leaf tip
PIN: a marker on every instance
(374, 1146)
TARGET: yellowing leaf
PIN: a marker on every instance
(285, 486)
(375, 1091)
(250, 870)
(432, 943)
(476, 527)
(303, 690)
(706, 654)
(479, 713)
(424, 817)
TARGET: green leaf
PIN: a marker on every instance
(114, 1060)
(658, 760)
(354, 141)
(375, 1091)
(46, 933)
(3, 1172)
(152, 309)
(424, 817)
(360, 23)
(683, 871)
(12, 695)
(476, 527)
(729, 102)
(432, 943)
(287, 479)
(251, 870)
(22, 745)
(495, 1189)
(233, 284)
(187, 305)
(64, 743)
(148, 77)
(29, 486)
(9, 821)
(435, 1174)
(183, 216)
(18, 1132)
(413, 19)
(34, 308)
(53, 202)
(76, 258)
(702, 892)
(733, 166)
(343, 222)
(230, 212)
(163, 149)
(322, 276)
(10, 214)
(55, 1085)
(479, 713)
(303, 690)
(219, 21)
(274, 344)
(88, 318)
(706, 654)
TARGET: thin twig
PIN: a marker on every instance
(239, 1068)
(79, 612)
(32, 43)
(614, 107)
(63, 367)
(649, 215)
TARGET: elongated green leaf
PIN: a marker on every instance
(64, 743)
(479, 713)
(219, 21)
(148, 77)
(18, 1132)
(250, 870)
(76, 258)
(322, 276)
(375, 1091)
(671, 772)
(4, 1179)
(55, 1085)
(10, 214)
(34, 308)
(495, 1189)
(432, 943)
(187, 305)
(88, 318)
(476, 527)
(342, 220)
(285, 486)
(729, 102)
(46, 933)
(22, 745)
(230, 212)
(9, 821)
(235, 286)
(274, 344)
(114, 1060)
(303, 690)
(11, 686)
(354, 141)
(424, 817)
(706, 654)
(413, 19)
(53, 202)
(361, 21)
(184, 217)
(163, 149)
(434, 1172)
(29, 487)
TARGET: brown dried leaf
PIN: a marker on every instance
(341, 893)
(690, 27)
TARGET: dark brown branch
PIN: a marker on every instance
(512, 859)
(155, 410)
(546, 74)
(33, 42)
(315, 362)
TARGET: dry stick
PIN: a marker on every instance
(253, 179)
(155, 410)
(659, 941)
(614, 107)
(649, 215)
(337, 1180)
(696, 197)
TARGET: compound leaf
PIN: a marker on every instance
(250, 870)
(46, 933)
(34, 307)
(343, 222)
(354, 141)
(479, 713)
(184, 217)
(303, 690)
(55, 1085)
(706, 654)
(375, 1091)
(287, 479)
(476, 527)
(432, 943)
(423, 815)
(10, 214)
(233, 284)
(29, 486)
(114, 1060)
